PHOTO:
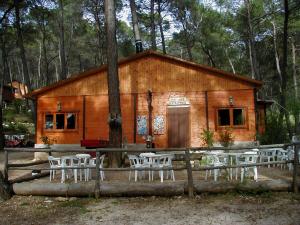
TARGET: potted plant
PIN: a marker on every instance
(47, 141)
(226, 137)
(207, 138)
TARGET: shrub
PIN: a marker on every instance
(207, 137)
(47, 141)
(226, 137)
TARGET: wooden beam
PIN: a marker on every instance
(295, 171)
(97, 183)
(135, 103)
(189, 174)
(206, 111)
(83, 117)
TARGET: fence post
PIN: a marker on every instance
(295, 171)
(97, 183)
(5, 172)
(189, 173)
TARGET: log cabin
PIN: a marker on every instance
(187, 98)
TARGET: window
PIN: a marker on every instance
(238, 117)
(231, 117)
(71, 120)
(60, 121)
(49, 121)
(224, 117)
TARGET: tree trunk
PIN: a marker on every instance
(294, 68)
(136, 31)
(23, 55)
(100, 36)
(252, 52)
(276, 53)
(63, 64)
(161, 27)
(284, 66)
(115, 122)
(152, 21)
(21, 46)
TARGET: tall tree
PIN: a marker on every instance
(284, 66)
(136, 30)
(115, 121)
(20, 43)
(62, 51)
(251, 43)
(152, 24)
(160, 23)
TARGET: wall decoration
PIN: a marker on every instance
(142, 125)
(175, 100)
(159, 124)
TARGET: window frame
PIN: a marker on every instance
(245, 115)
(54, 129)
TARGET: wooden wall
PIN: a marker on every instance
(164, 78)
(159, 75)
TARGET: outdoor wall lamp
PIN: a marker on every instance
(231, 102)
(59, 106)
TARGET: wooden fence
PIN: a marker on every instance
(184, 151)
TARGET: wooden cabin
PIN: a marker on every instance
(186, 98)
(20, 89)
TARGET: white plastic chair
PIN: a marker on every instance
(267, 155)
(168, 164)
(213, 161)
(83, 162)
(54, 164)
(249, 159)
(93, 164)
(135, 163)
(75, 162)
(282, 155)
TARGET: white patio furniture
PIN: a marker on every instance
(168, 164)
(147, 160)
(267, 155)
(93, 164)
(54, 164)
(282, 155)
(66, 161)
(136, 163)
(75, 162)
(84, 161)
(213, 160)
(248, 159)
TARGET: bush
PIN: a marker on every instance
(276, 132)
(207, 137)
(226, 137)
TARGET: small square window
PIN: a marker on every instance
(60, 121)
(238, 117)
(49, 121)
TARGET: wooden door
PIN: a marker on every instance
(178, 127)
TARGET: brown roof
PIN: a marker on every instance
(138, 56)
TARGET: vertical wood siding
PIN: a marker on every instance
(165, 78)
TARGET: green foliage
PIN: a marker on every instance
(276, 131)
(207, 137)
(226, 137)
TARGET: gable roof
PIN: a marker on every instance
(90, 72)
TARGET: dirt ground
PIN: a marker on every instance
(232, 209)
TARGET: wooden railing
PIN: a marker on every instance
(183, 151)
